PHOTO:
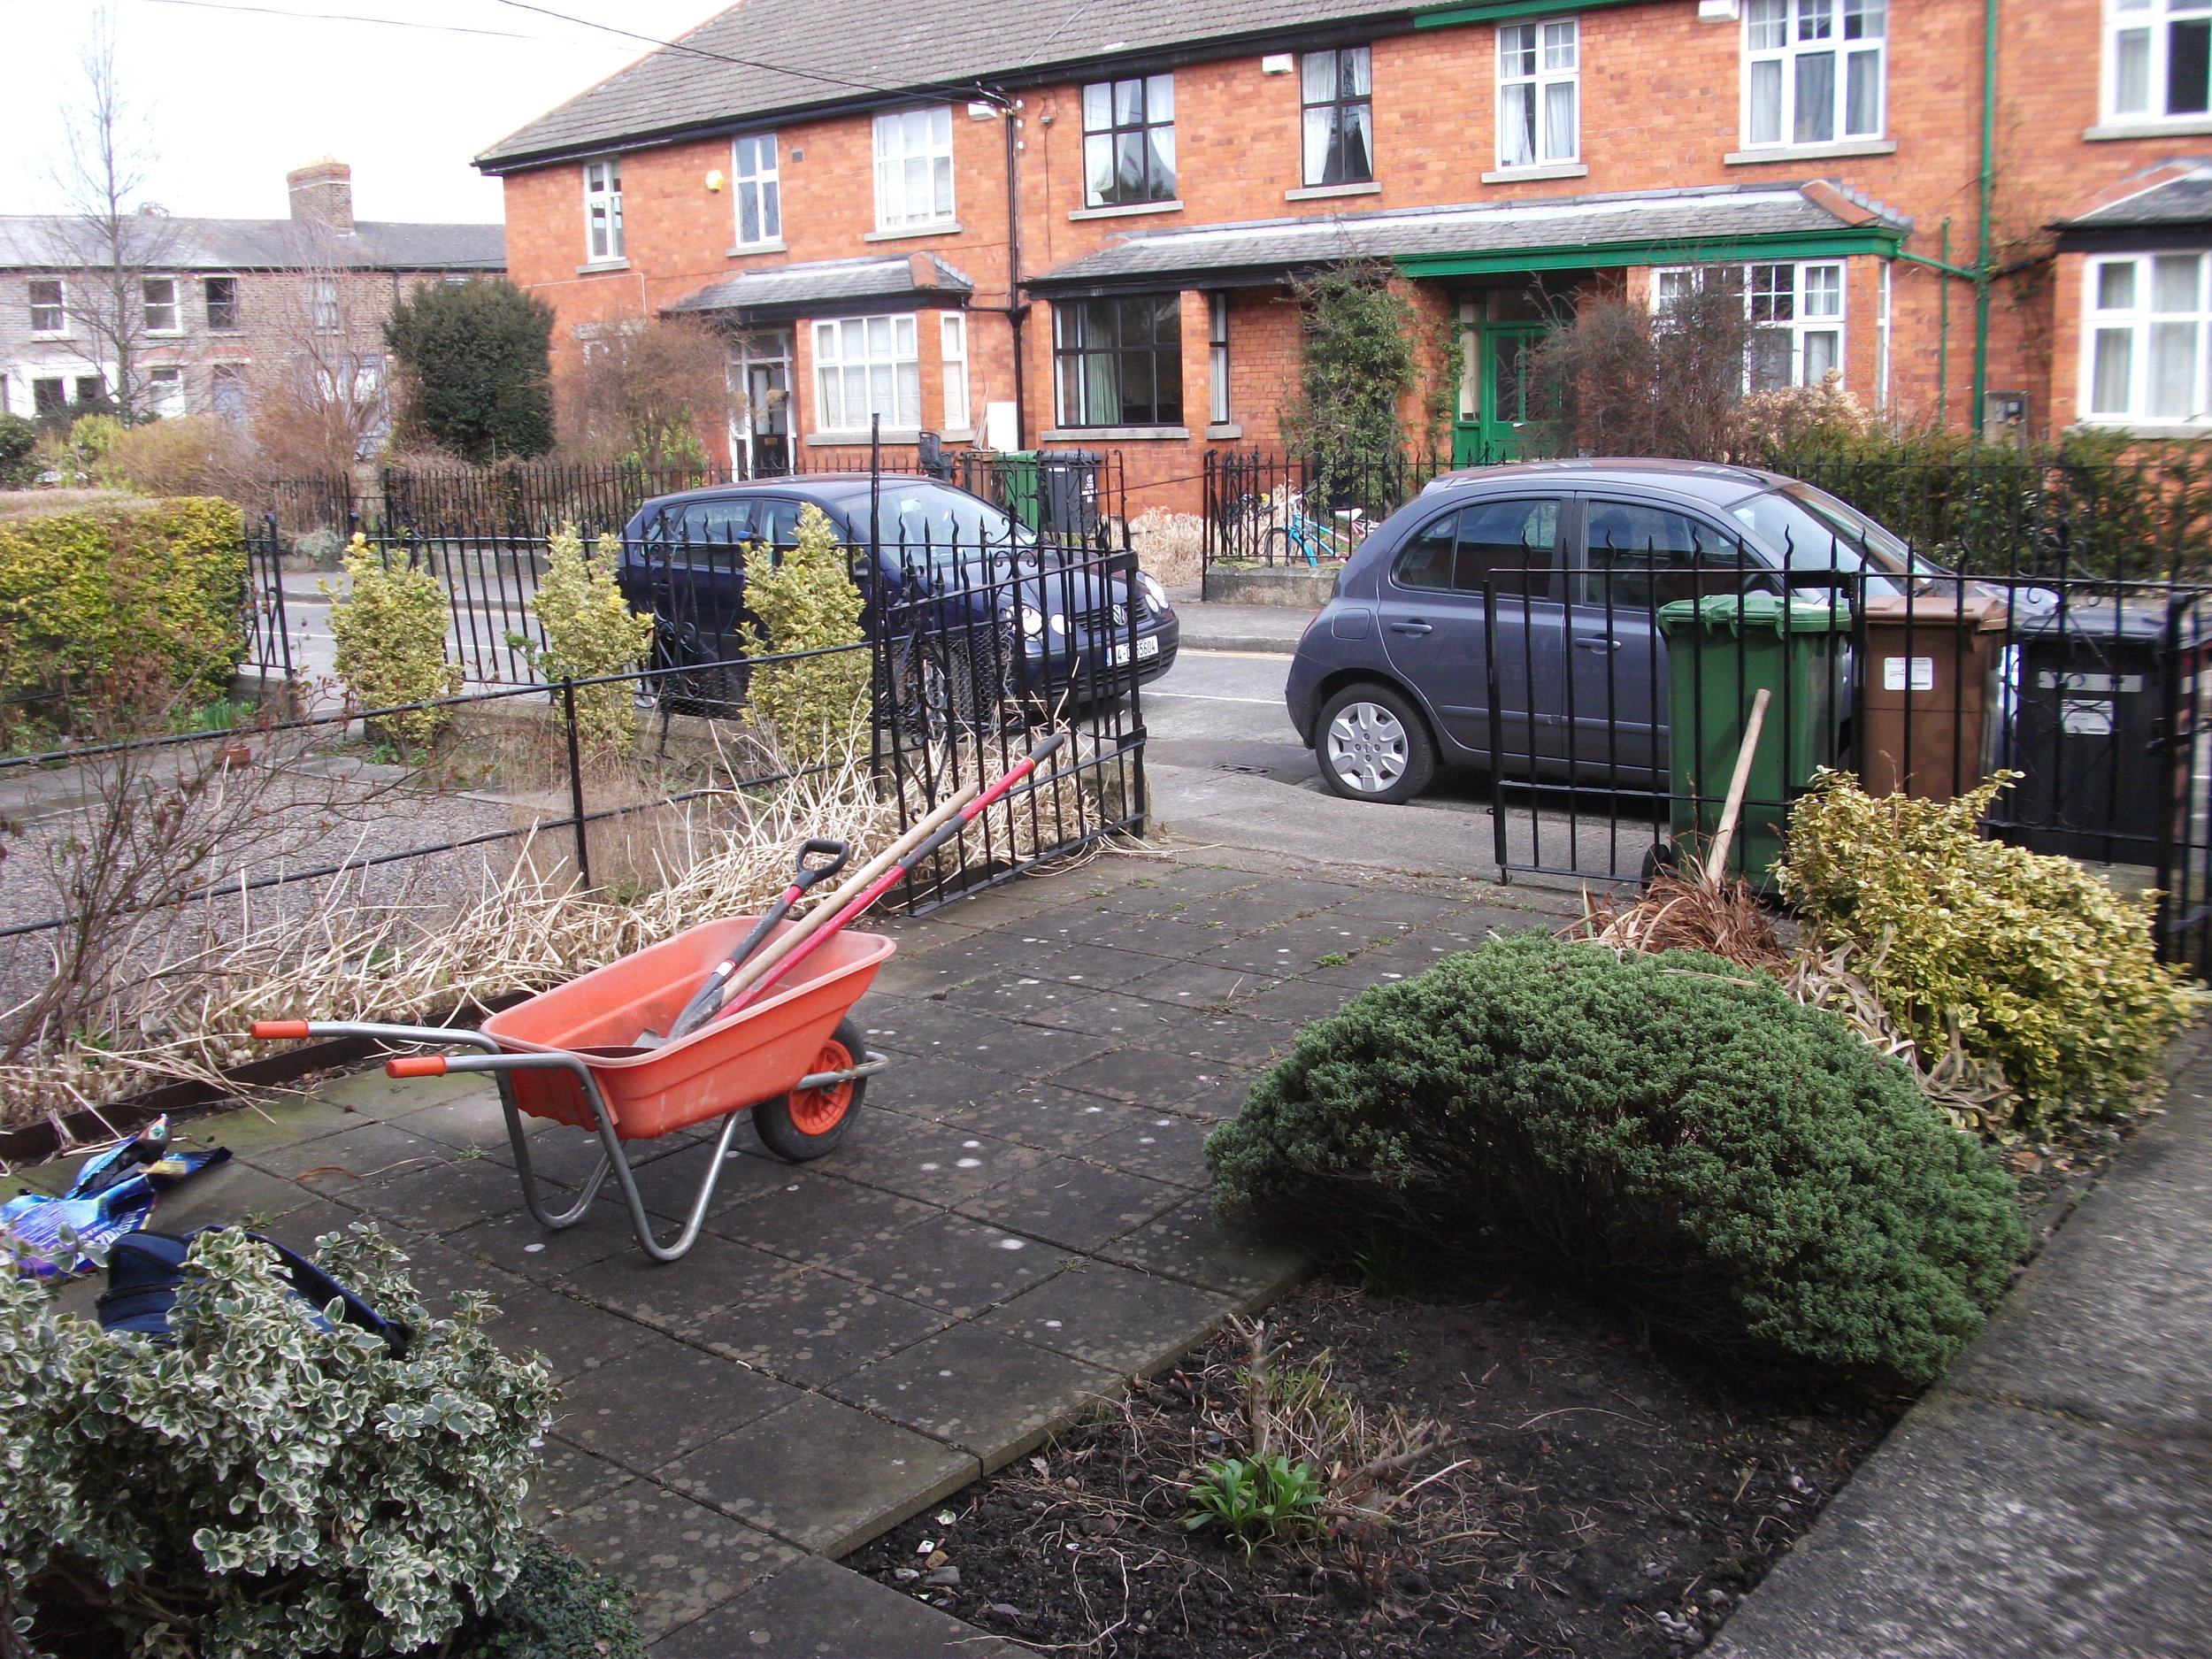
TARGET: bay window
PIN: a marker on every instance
(1539, 72)
(913, 151)
(2158, 58)
(2144, 339)
(1796, 315)
(1119, 362)
(952, 339)
(863, 367)
(1813, 71)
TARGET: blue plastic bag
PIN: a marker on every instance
(113, 1194)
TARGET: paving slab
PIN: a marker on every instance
(1078, 1206)
(658, 1398)
(816, 1609)
(2048, 1497)
(680, 1558)
(817, 1326)
(1187, 1244)
(989, 1393)
(1115, 1316)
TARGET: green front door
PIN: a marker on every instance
(1493, 406)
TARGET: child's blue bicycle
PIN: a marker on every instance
(1310, 539)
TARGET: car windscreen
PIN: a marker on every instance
(916, 521)
(1816, 532)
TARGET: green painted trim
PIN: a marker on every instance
(1502, 9)
(1608, 256)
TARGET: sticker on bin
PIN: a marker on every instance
(1146, 649)
(2050, 680)
(1894, 669)
(2085, 716)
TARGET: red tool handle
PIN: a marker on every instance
(898, 872)
(416, 1065)
(277, 1029)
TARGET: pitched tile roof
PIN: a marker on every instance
(46, 240)
(1698, 215)
(820, 286)
(811, 54)
(2177, 192)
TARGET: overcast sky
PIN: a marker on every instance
(237, 95)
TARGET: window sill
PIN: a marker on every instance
(1809, 152)
(594, 267)
(1547, 170)
(2197, 429)
(743, 248)
(1322, 192)
(1127, 210)
(943, 228)
(2178, 127)
(956, 434)
(1225, 429)
(1119, 434)
(859, 439)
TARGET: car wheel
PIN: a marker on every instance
(1373, 747)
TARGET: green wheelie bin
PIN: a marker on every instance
(1018, 487)
(1721, 650)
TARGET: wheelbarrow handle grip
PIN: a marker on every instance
(278, 1030)
(416, 1065)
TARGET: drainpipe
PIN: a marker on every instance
(1017, 313)
(1983, 259)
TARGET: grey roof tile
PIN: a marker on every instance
(1700, 214)
(245, 244)
(824, 280)
(832, 51)
(2184, 200)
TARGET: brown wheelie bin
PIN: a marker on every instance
(1928, 700)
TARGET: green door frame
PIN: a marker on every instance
(1487, 430)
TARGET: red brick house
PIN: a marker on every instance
(1056, 223)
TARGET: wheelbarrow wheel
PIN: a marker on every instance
(808, 1123)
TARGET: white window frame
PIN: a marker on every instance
(2138, 36)
(163, 315)
(326, 313)
(882, 377)
(1539, 70)
(1819, 303)
(952, 343)
(60, 307)
(2148, 320)
(756, 177)
(1783, 39)
(913, 157)
(1217, 356)
(165, 390)
(604, 243)
(224, 381)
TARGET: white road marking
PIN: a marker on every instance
(1202, 696)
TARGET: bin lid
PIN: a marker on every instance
(2087, 617)
(1978, 613)
(1739, 611)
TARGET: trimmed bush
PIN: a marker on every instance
(474, 364)
(2044, 970)
(806, 602)
(390, 626)
(145, 589)
(1671, 1130)
(265, 1487)
(590, 632)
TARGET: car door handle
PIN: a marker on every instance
(1414, 626)
(1595, 642)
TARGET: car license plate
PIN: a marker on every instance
(1146, 649)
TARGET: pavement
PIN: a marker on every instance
(2053, 1495)
(1018, 1223)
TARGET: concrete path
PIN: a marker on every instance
(1018, 1223)
(2052, 1496)
(1219, 627)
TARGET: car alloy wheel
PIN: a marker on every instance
(1368, 746)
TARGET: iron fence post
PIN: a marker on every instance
(576, 784)
(276, 578)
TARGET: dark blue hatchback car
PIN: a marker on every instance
(972, 601)
(1394, 676)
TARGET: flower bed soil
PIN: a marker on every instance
(1615, 1501)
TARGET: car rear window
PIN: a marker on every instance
(1511, 545)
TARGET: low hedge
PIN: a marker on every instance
(141, 590)
(1672, 1130)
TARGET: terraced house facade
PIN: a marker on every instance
(1059, 224)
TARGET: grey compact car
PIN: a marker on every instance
(1394, 677)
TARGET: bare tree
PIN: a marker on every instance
(644, 390)
(109, 250)
(321, 401)
(1624, 378)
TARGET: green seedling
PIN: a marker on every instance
(1331, 959)
(1254, 1501)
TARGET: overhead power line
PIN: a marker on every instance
(344, 17)
(702, 52)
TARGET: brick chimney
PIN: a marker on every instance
(322, 192)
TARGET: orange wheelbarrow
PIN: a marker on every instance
(792, 1059)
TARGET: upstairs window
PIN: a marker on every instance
(867, 366)
(1119, 362)
(2158, 58)
(914, 168)
(48, 315)
(157, 301)
(1340, 119)
(1539, 80)
(1129, 141)
(2145, 336)
(323, 303)
(759, 189)
(1813, 71)
(603, 212)
(221, 293)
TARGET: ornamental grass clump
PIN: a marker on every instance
(1671, 1130)
(2032, 963)
(805, 601)
(590, 632)
(263, 1486)
(390, 626)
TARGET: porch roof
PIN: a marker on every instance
(2166, 205)
(1710, 222)
(826, 288)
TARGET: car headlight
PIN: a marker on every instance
(1155, 595)
(1033, 622)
